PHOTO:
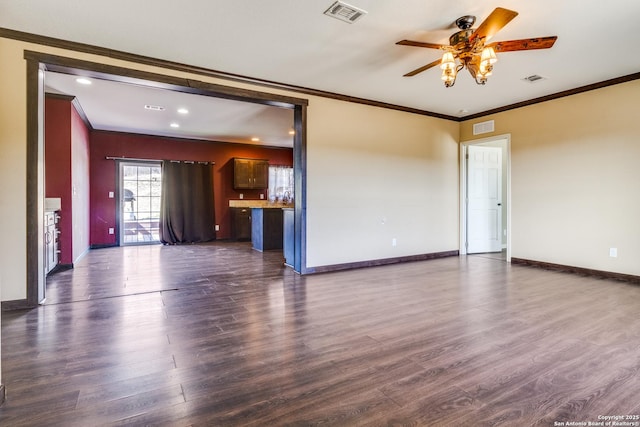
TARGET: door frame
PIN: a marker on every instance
(119, 229)
(463, 188)
(37, 63)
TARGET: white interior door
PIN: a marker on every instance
(484, 199)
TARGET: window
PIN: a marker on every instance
(281, 184)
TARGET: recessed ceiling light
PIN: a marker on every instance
(254, 139)
(83, 81)
(292, 132)
(183, 111)
(153, 107)
(174, 125)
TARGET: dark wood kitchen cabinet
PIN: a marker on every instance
(241, 223)
(250, 174)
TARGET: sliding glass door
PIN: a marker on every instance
(140, 187)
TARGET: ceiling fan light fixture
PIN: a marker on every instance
(448, 62)
(488, 56)
(487, 59)
(481, 79)
(483, 73)
(449, 77)
(468, 47)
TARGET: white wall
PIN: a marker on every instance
(375, 175)
(575, 180)
(1, 331)
(13, 173)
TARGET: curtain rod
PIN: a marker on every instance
(132, 159)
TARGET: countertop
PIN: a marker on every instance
(264, 204)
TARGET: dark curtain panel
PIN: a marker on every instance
(186, 209)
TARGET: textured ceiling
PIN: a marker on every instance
(293, 42)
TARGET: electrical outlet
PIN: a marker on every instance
(217, 227)
(111, 230)
(613, 252)
(394, 242)
(241, 196)
(111, 194)
(261, 196)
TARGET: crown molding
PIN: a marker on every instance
(146, 60)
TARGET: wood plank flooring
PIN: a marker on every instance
(221, 335)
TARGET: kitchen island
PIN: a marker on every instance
(266, 228)
(266, 222)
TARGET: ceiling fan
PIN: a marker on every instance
(468, 49)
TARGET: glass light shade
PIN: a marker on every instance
(484, 70)
(448, 62)
(448, 75)
(488, 56)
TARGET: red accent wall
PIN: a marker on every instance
(58, 168)
(103, 174)
(67, 174)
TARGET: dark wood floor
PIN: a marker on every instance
(222, 335)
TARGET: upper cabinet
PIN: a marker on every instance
(250, 174)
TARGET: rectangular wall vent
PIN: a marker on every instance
(483, 127)
(345, 12)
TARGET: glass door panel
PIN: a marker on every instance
(140, 191)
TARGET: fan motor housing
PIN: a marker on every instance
(460, 37)
(465, 22)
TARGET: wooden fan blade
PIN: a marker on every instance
(494, 23)
(420, 44)
(423, 68)
(524, 44)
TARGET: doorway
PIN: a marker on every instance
(140, 191)
(485, 198)
(38, 63)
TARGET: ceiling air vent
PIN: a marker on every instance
(345, 12)
(153, 107)
(483, 127)
(534, 78)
